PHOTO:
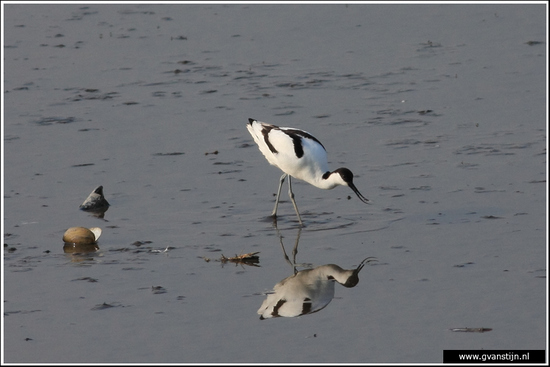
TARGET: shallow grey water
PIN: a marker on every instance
(438, 110)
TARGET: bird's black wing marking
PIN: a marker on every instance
(297, 136)
(265, 132)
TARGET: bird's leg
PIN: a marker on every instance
(293, 264)
(295, 249)
(281, 180)
(291, 194)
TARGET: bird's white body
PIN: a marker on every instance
(299, 154)
(310, 167)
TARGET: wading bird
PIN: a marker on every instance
(300, 155)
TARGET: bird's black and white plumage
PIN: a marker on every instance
(299, 154)
(308, 291)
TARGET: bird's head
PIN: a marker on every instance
(345, 178)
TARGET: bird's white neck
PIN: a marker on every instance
(328, 181)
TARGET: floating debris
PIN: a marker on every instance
(165, 250)
(91, 280)
(430, 44)
(423, 112)
(157, 289)
(45, 121)
(139, 248)
(140, 243)
(470, 330)
(92, 94)
(171, 153)
(249, 259)
(103, 306)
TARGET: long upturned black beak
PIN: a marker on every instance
(359, 195)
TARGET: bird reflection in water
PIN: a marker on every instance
(309, 290)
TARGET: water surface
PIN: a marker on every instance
(439, 110)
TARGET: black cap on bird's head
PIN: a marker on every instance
(347, 177)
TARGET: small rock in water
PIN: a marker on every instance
(95, 201)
